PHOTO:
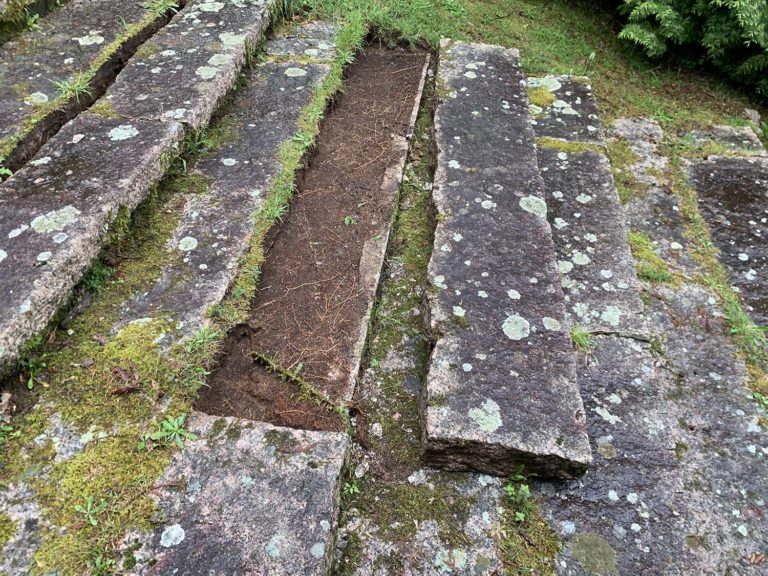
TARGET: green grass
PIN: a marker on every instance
(648, 264)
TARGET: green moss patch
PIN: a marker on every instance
(648, 264)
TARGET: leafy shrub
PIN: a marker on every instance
(730, 35)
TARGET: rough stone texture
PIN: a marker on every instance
(655, 212)
(733, 198)
(215, 227)
(68, 42)
(588, 225)
(677, 487)
(256, 499)
(738, 139)
(55, 212)
(314, 40)
(185, 69)
(573, 115)
(598, 273)
(501, 389)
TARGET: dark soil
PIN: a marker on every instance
(309, 309)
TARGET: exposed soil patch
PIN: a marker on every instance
(306, 316)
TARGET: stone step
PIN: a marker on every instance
(216, 223)
(184, 70)
(588, 225)
(56, 211)
(501, 389)
(83, 40)
(245, 498)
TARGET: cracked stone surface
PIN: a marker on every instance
(254, 499)
(501, 389)
(216, 225)
(56, 211)
(183, 71)
(733, 198)
(573, 113)
(314, 40)
(69, 41)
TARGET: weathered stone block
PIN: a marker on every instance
(563, 107)
(501, 389)
(185, 69)
(248, 499)
(55, 212)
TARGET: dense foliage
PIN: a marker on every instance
(730, 35)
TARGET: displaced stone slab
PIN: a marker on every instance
(314, 40)
(733, 198)
(501, 389)
(256, 499)
(216, 225)
(594, 259)
(69, 41)
(187, 67)
(55, 212)
(563, 107)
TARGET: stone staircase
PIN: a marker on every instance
(530, 242)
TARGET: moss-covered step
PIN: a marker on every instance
(733, 199)
(56, 212)
(501, 390)
(588, 225)
(184, 70)
(245, 498)
(49, 73)
(227, 186)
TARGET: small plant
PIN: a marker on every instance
(74, 87)
(582, 339)
(102, 566)
(91, 510)
(6, 432)
(161, 7)
(4, 172)
(96, 277)
(30, 20)
(34, 366)
(519, 496)
(762, 401)
(171, 431)
(351, 488)
(349, 221)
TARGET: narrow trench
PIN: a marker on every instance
(104, 77)
(294, 358)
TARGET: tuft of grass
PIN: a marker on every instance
(649, 265)
(582, 339)
(73, 88)
(622, 159)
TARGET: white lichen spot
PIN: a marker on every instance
(560, 223)
(93, 37)
(607, 274)
(579, 258)
(317, 550)
(551, 324)
(743, 257)
(3, 255)
(231, 40)
(488, 204)
(36, 98)
(605, 415)
(482, 294)
(488, 416)
(172, 536)
(613, 496)
(676, 246)
(17, 231)
(206, 72)
(449, 560)
(549, 82)
(632, 498)
(177, 114)
(123, 132)
(589, 237)
(275, 545)
(219, 59)
(742, 529)
(459, 311)
(534, 205)
(210, 6)
(471, 75)
(59, 237)
(612, 315)
(562, 156)
(55, 221)
(41, 161)
(454, 164)
(457, 237)
(187, 243)
(516, 327)
(564, 266)
(584, 198)
(295, 72)
(439, 282)
(467, 367)
(228, 161)
(513, 294)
